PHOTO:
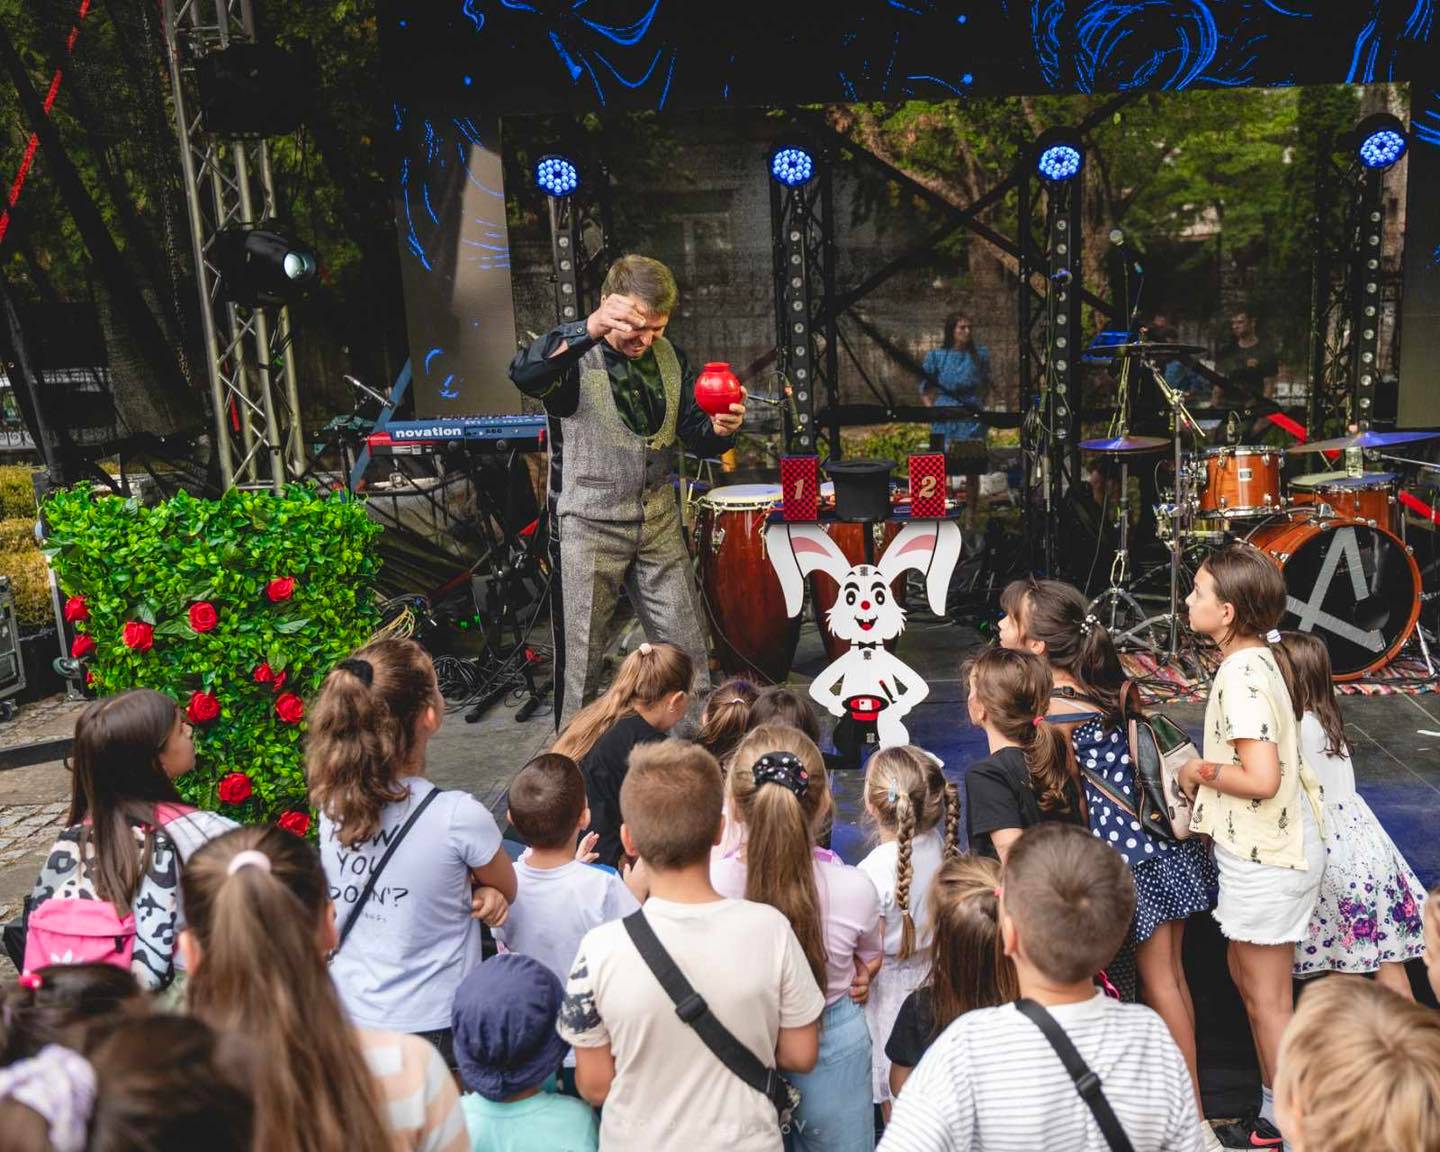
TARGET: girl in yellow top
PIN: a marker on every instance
(1254, 794)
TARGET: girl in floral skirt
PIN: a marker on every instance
(1368, 915)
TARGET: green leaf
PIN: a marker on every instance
(291, 626)
(176, 627)
(145, 613)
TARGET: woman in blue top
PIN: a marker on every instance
(1174, 879)
(958, 376)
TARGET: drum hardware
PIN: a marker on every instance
(1365, 440)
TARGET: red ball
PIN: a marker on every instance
(716, 388)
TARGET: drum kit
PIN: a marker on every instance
(1338, 537)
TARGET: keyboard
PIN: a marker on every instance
(525, 432)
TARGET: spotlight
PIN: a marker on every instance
(260, 265)
(557, 176)
(1380, 141)
(1059, 155)
(792, 166)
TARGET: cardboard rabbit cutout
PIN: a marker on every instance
(873, 685)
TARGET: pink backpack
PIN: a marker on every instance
(68, 923)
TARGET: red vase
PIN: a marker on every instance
(716, 388)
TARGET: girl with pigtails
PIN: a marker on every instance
(916, 814)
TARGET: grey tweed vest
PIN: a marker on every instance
(606, 469)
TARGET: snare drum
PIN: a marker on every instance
(1369, 497)
(1354, 585)
(754, 636)
(1238, 481)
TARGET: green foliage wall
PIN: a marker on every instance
(137, 574)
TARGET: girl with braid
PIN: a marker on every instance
(908, 801)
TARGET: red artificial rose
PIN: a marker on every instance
(76, 609)
(235, 788)
(280, 678)
(290, 708)
(296, 822)
(203, 616)
(281, 588)
(263, 673)
(83, 646)
(89, 678)
(203, 707)
(139, 635)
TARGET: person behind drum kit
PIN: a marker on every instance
(1249, 362)
(1256, 797)
(622, 395)
(957, 375)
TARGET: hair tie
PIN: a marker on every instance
(1038, 721)
(361, 669)
(893, 793)
(645, 648)
(1273, 636)
(1089, 622)
(783, 768)
(250, 858)
(31, 980)
(59, 1086)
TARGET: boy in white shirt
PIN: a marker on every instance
(993, 1082)
(661, 1086)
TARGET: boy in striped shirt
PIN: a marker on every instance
(993, 1082)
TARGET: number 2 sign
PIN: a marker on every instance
(927, 485)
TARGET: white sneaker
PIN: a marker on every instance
(1208, 1140)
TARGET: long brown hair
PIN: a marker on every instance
(970, 969)
(262, 975)
(361, 734)
(1076, 643)
(1015, 690)
(780, 832)
(1304, 661)
(648, 675)
(1251, 583)
(58, 1002)
(116, 781)
(780, 705)
(900, 798)
(725, 717)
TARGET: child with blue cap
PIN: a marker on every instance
(506, 1048)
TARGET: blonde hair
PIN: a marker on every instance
(902, 796)
(970, 968)
(671, 803)
(780, 832)
(262, 977)
(648, 675)
(1360, 1068)
(361, 733)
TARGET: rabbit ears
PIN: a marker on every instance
(929, 546)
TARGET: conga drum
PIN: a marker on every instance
(744, 606)
(850, 537)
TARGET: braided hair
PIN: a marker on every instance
(899, 798)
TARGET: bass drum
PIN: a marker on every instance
(849, 537)
(753, 635)
(1354, 585)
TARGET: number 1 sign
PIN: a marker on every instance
(927, 485)
(800, 484)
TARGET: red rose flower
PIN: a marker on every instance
(203, 616)
(235, 788)
(203, 707)
(89, 678)
(83, 646)
(139, 635)
(280, 678)
(280, 589)
(290, 708)
(263, 673)
(76, 609)
(296, 822)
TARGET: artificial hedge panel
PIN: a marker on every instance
(236, 607)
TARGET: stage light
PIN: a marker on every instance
(792, 166)
(260, 265)
(557, 176)
(1380, 141)
(1059, 155)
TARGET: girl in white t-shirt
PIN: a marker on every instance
(916, 814)
(1368, 916)
(413, 939)
(778, 789)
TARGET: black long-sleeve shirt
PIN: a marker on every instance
(634, 384)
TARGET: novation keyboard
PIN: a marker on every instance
(525, 433)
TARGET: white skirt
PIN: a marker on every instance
(1265, 904)
(895, 980)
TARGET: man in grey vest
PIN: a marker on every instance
(623, 397)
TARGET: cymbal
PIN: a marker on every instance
(1126, 444)
(1363, 440)
(1151, 348)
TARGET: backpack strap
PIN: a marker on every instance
(1086, 1082)
(353, 918)
(690, 1006)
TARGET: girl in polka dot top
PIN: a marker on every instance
(1173, 879)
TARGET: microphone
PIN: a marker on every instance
(360, 387)
(1117, 238)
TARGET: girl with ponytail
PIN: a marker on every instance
(1028, 778)
(907, 800)
(725, 717)
(260, 926)
(778, 790)
(647, 699)
(406, 945)
(1173, 878)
